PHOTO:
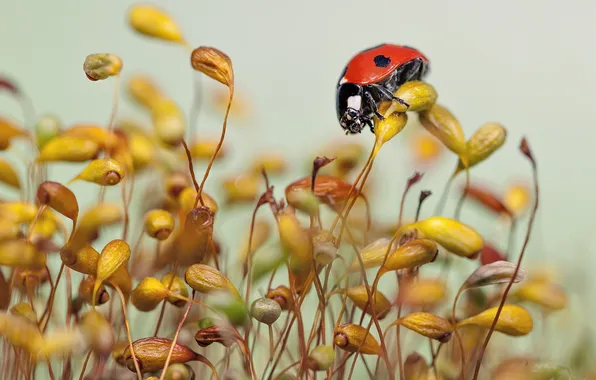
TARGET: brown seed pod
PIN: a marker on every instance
(484, 197)
(216, 334)
(283, 296)
(151, 354)
(194, 242)
(351, 338)
(213, 63)
(329, 190)
(86, 292)
(58, 197)
(415, 367)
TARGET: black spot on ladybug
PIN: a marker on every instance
(382, 61)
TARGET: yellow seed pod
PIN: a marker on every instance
(86, 291)
(321, 358)
(412, 254)
(428, 325)
(456, 237)
(104, 172)
(186, 200)
(44, 228)
(61, 343)
(206, 279)
(58, 197)
(359, 296)
(178, 287)
(9, 229)
(98, 332)
(148, 294)
(546, 294)
(8, 175)
(261, 233)
(416, 368)
(168, 121)
(21, 254)
(141, 150)
(8, 131)
(102, 66)
(24, 310)
(101, 215)
(372, 255)
(213, 63)
(93, 132)
(20, 332)
(517, 198)
(18, 212)
(295, 239)
(113, 256)
(420, 96)
(487, 139)
(386, 129)
(425, 293)
(351, 338)
(271, 162)
(445, 127)
(242, 188)
(514, 320)
(205, 149)
(143, 90)
(152, 353)
(153, 22)
(159, 224)
(69, 149)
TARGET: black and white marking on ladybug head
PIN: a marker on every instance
(350, 108)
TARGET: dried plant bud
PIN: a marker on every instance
(104, 172)
(393, 123)
(142, 89)
(272, 163)
(206, 279)
(242, 188)
(351, 338)
(416, 368)
(179, 372)
(424, 293)
(86, 292)
(205, 149)
(168, 121)
(420, 96)
(58, 197)
(295, 239)
(486, 199)
(159, 224)
(484, 142)
(22, 254)
(178, 288)
(97, 331)
(544, 293)
(321, 358)
(517, 198)
(102, 66)
(213, 63)
(24, 310)
(155, 23)
(499, 272)
(113, 256)
(46, 129)
(373, 254)
(221, 334)
(69, 149)
(261, 232)
(283, 296)
(359, 295)
(324, 249)
(456, 237)
(412, 254)
(151, 354)
(9, 131)
(329, 190)
(490, 254)
(445, 127)
(513, 321)
(187, 197)
(265, 310)
(8, 175)
(428, 325)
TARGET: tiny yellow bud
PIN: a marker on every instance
(420, 96)
(69, 149)
(487, 139)
(104, 172)
(543, 293)
(168, 121)
(159, 224)
(242, 188)
(22, 254)
(295, 239)
(445, 127)
(386, 129)
(213, 63)
(155, 23)
(456, 237)
(428, 325)
(424, 293)
(412, 254)
(142, 89)
(8, 175)
(513, 321)
(359, 296)
(351, 338)
(206, 279)
(102, 66)
(372, 255)
(517, 198)
(205, 149)
(148, 294)
(113, 256)
(321, 358)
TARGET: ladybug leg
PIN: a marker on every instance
(373, 104)
(370, 124)
(386, 93)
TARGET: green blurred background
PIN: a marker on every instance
(526, 64)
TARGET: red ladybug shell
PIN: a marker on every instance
(377, 63)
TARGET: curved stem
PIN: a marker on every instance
(163, 372)
(456, 330)
(131, 348)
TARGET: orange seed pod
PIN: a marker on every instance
(425, 293)
(159, 224)
(351, 338)
(8, 131)
(544, 293)
(58, 197)
(213, 63)
(372, 255)
(412, 254)
(283, 296)
(416, 368)
(205, 149)
(329, 190)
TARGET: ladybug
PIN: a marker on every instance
(371, 76)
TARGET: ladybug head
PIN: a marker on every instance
(350, 108)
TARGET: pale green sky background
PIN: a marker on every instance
(526, 64)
